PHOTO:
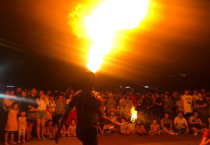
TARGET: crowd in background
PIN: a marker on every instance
(30, 114)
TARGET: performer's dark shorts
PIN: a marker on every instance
(88, 136)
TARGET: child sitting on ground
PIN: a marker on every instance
(72, 129)
(22, 124)
(139, 128)
(125, 128)
(50, 130)
(155, 128)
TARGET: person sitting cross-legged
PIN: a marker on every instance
(180, 124)
(196, 124)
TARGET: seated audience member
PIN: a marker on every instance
(72, 129)
(154, 128)
(63, 130)
(180, 124)
(50, 130)
(125, 128)
(166, 124)
(139, 128)
(206, 138)
(196, 124)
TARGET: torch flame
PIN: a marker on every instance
(134, 114)
(100, 25)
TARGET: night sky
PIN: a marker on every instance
(172, 51)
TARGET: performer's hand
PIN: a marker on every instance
(57, 136)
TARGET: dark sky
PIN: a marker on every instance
(171, 51)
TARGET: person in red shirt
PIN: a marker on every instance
(206, 138)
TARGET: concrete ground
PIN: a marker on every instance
(129, 140)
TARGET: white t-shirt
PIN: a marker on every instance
(42, 104)
(180, 122)
(188, 102)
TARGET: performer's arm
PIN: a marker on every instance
(101, 114)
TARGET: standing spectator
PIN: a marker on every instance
(179, 105)
(68, 99)
(158, 107)
(7, 101)
(22, 124)
(180, 124)
(122, 101)
(202, 108)
(118, 112)
(31, 115)
(133, 98)
(196, 124)
(195, 95)
(146, 104)
(18, 92)
(41, 115)
(22, 102)
(60, 108)
(128, 107)
(111, 100)
(168, 104)
(187, 104)
(166, 124)
(12, 123)
(51, 104)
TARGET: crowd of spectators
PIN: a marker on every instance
(33, 114)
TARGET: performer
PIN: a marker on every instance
(206, 138)
(90, 112)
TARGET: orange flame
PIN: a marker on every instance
(99, 25)
(133, 114)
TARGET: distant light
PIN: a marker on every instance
(10, 86)
(146, 86)
(120, 86)
(127, 87)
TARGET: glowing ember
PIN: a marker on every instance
(134, 114)
(99, 25)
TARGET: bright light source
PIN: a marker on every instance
(10, 86)
(146, 87)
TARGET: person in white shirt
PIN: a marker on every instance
(41, 115)
(180, 124)
(187, 101)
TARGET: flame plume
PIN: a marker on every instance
(99, 25)
(133, 114)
